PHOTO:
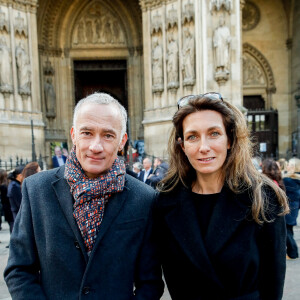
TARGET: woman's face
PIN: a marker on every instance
(205, 142)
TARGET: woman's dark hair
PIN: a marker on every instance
(271, 169)
(30, 169)
(238, 170)
(3, 177)
(18, 170)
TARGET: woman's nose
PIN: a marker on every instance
(204, 145)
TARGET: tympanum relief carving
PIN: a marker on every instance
(98, 26)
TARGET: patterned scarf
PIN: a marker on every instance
(91, 195)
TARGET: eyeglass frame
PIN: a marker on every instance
(189, 97)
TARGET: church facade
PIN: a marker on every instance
(147, 54)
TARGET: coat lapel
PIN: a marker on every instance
(182, 221)
(65, 199)
(230, 210)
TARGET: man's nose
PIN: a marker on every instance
(96, 145)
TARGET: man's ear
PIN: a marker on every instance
(73, 135)
(123, 142)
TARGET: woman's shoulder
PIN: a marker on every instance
(170, 198)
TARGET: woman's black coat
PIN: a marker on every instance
(237, 259)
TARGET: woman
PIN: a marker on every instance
(271, 169)
(292, 184)
(220, 222)
(30, 169)
(14, 190)
(4, 199)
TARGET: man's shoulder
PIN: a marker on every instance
(133, 184)
(47, 175)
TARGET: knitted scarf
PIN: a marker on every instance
(91, 195)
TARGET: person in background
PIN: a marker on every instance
(147, 169)
(292, 185)
(14, 190)
(282, 165)
(138, 169)
(85, 229)
(30, 169)
(270, 168)
(219, 222)
(4, 199)
(58, 159)
(256, 160)
(160, 170)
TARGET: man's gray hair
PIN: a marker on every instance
(102, 98)
(138, 165)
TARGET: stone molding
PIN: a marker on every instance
(250, 16)
(247, 48)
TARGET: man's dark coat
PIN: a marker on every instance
(237, 259)
(48, 259)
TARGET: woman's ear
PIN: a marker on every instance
(180, 142)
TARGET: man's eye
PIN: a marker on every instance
(85, 133)
(109, 136)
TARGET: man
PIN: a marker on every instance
(160, 169)
(138, 169)
(85, 229)
(58, 159)
(147, 169)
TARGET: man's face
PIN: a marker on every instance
(97, 137)
(156, 163)
(57, 151)
(147, 164)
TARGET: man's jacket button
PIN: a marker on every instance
(86, 290)
(76, 243)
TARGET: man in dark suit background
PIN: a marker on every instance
(138, 169)
(147, 163)
(58, 159)
(85, 229)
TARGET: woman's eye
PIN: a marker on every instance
(215, 133)
(191, 138)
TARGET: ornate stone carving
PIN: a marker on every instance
(19, 26)
(247, 48)
(188, 57)
(157, 66)
(221, 47)
(23, 70)
(98, 26)
(6, 80)
(48, 69)
(156, 24)
(172, 18)
(188, 13)
(147, 4)
(220, 4)
(172, 62)
(250, 16)
(50, 98)
(253, 74)
(4, 24)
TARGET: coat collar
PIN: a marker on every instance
(66, 201)
(228, 213)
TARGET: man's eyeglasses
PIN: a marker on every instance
(186, 99)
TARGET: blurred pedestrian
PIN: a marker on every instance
(292, 185)
(270, 168)
(147, 163)
(30, 169)
(58, 159)
(160, 169)
(220, 222)
(138, 169)
(4, 199)
(283, 166)
(14, 190)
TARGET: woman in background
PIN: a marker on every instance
(271, 169)
(30, 169)
(220, 223)
(292, 185)
(4, 199)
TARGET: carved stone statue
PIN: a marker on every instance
(188, 58)
(221, 45)
(50, 98)
(217, 5)
(23, 69)
(6, 83)
(157, 66)
(172, 62)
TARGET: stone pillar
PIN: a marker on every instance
(21, 92)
